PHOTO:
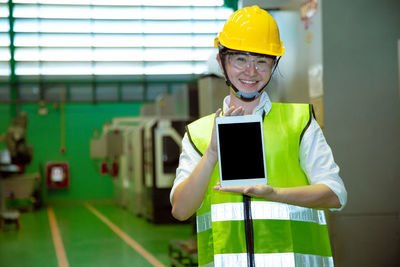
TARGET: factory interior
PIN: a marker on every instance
(95, 97)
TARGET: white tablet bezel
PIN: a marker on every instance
(241, 119)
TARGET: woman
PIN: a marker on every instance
(279, 224)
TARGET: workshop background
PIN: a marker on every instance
(94, 97)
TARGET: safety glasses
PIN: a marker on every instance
(243, 61)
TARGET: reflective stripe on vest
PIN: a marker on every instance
(203, 222)
(260, 210)
(273, 260)
(264, 210)
(279, 229)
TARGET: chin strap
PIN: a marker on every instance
(242, 95)
(246, 96)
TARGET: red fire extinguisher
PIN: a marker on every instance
(114, 169)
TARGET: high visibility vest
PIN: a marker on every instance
(236, 230)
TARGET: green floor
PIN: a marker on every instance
(87, 240)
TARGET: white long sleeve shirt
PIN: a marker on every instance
(315, 156)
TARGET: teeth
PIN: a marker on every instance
(249, 82)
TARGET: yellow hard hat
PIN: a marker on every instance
(251, 29)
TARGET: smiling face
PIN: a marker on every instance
(248, 73)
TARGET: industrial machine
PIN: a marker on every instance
(162, 146)
(145, 150)
(15, 139)
(15, 184)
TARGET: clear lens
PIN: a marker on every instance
(243, 61)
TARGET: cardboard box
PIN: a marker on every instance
(212, 91)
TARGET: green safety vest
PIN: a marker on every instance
(236, 230)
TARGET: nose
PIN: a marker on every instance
(251, 67)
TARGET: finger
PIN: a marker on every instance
(247, 191)
(250, 190)
(237, 112)
(229, 111)
(218, 112)
(234, 189)
(217, 186)
(251, 195)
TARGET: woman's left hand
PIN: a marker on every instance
(261, 191)
(318, 196)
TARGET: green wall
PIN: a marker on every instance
(44, 133)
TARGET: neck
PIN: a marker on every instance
(248, 106)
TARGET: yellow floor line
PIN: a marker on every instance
(58, 244)
(150, 258)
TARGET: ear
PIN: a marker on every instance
(218, 58)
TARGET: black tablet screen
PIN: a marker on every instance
(241, 150)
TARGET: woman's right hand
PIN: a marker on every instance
(232, 111)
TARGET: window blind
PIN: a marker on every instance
(119, 37)
(4, 39)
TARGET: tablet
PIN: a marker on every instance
(241, 154)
